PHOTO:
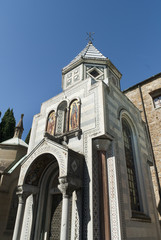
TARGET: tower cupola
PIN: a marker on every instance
(90, 63)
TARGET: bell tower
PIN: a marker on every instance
(90, 63)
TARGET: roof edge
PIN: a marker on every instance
(143, 82)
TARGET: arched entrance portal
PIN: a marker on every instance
(48, 177)
(47, 203)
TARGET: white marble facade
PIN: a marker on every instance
(65, 164)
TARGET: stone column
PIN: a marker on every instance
(67, 120)
(104, 205)
(20, 212)
(66, 189)
(23, 192)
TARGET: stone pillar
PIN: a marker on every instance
(67, 120)
(20, 212)
(23, 192)
(66, 189)
(104, 195)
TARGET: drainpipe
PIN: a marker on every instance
(147, 126)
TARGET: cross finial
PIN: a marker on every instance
(90, 38)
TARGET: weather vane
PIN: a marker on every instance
(90, 38)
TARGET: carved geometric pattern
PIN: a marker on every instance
(60, 122)
(70, 216)
(46, 147)
(27, 219)
(95, 72)
(74, 166)
(86, 179)
(76, 237)
(113, 196)
(77, 221)
(56, 217)
(73, 76)
(96, 222)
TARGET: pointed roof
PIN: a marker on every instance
(16, 140)
(19, 128)
(89, 52)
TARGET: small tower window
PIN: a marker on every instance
(94, 73)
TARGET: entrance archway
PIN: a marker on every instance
(39, 195)
(48, 203)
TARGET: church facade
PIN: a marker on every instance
(87, 171)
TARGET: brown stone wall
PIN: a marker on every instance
(7, 188)
(10, 153)
(8, 183)
(154, 122)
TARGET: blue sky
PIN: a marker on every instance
(39, 37)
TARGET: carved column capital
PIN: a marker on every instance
(24, 191)
(66, 187)
(21, 194)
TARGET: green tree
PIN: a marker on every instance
(28, 137)
(7, 125)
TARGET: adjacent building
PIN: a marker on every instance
(11, 151)
(146, 96)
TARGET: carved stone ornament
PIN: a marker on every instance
(22, 195)
(68, 185)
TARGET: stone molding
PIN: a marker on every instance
(46, 146)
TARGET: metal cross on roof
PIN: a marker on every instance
(90, 38)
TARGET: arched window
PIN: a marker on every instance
(74, 115)
(131, 172)
(61, 123)
(50, 128)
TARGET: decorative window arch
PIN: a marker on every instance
(74, 115)
(130, 164)
(61, 123)
(50, 127)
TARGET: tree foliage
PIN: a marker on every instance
(7, 125)
(28, 137)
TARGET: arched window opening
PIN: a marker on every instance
(50, 128)
(74, 115)
(131, 173)
(61, 124)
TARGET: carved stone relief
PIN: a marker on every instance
(49, 147)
